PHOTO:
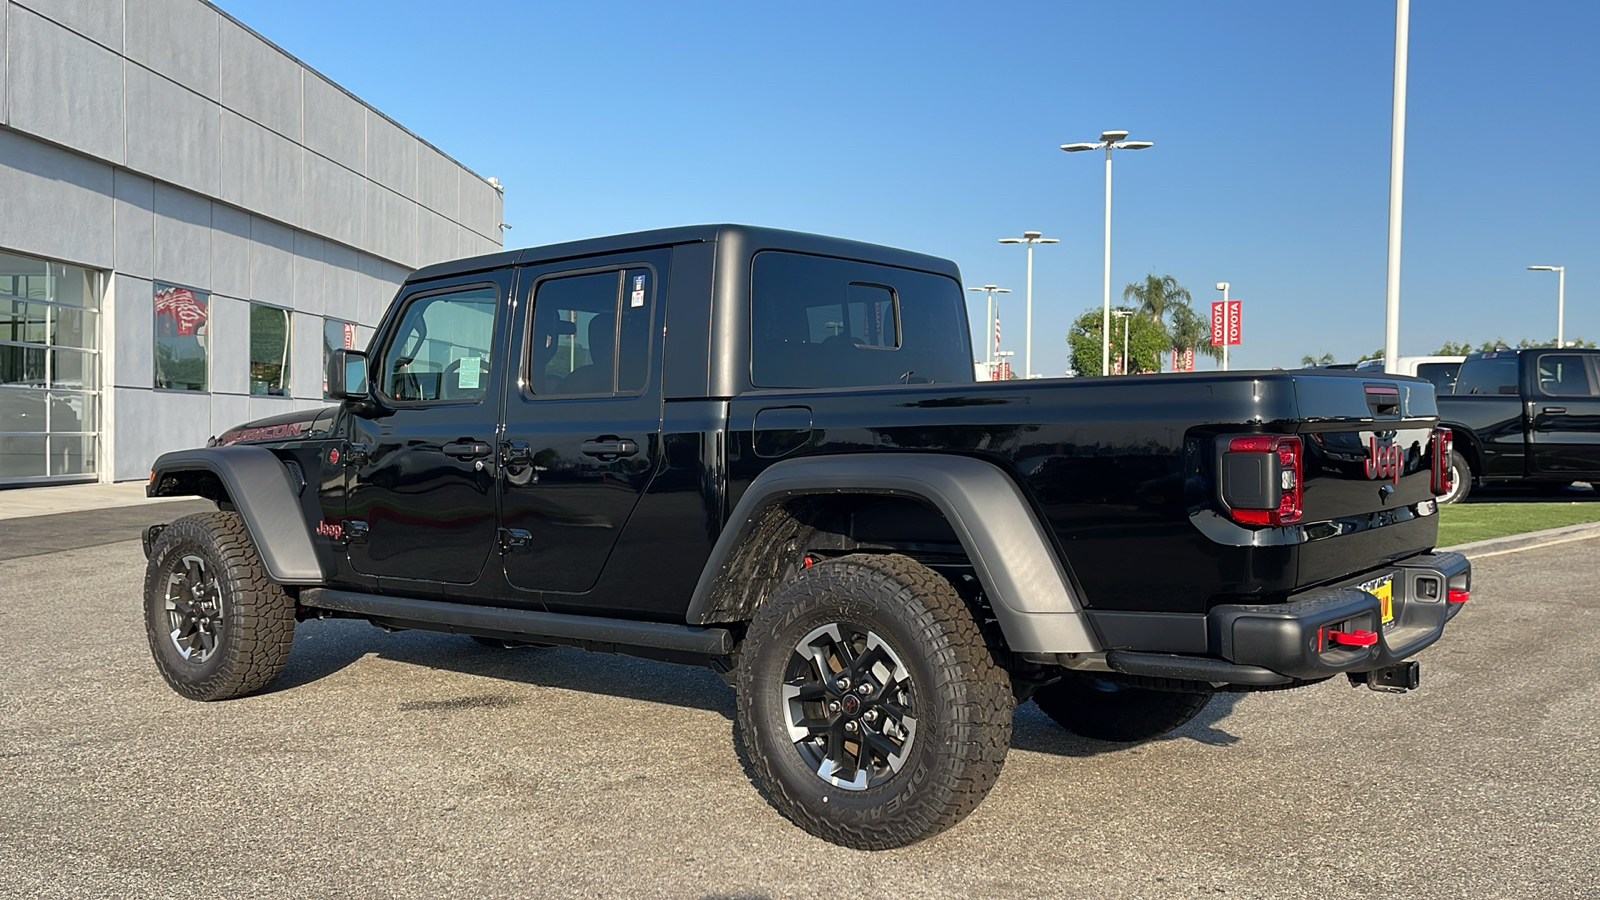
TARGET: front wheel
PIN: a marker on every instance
(217, 627)
(871, 709)
(1094, 707)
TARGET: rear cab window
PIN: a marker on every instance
(819, 322)
(1443, 375)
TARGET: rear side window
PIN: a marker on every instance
(1564, 375)
(1443, 376)
(591, 334)
(1490, 374)
(822, 322)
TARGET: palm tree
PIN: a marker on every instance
(1157, 296)
(1190, 331)
(1325, 359)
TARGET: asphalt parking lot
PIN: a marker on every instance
(423, 765)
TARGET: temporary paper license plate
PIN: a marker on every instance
(1383, 589)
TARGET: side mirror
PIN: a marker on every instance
(347, 375)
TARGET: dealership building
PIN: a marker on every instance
(190, 218)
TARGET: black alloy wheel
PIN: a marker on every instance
(194, 610)
(849, 706)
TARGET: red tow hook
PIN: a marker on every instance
(1458, 596)
(1354, 638)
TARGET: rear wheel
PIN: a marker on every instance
(1460, 480)
(217, 627)
(872, 711)
(1107, 710)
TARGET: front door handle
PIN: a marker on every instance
(610, 446)
(1554, 410)
(467, 449)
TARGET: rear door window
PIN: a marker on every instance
(1564, 375)
(823, 322)
(591, 333)
(1492, 373)
(1443, 376)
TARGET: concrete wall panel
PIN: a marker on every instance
(3, 94)
(391, 227)
(260, 169)
(480, 206)
(135, 225)
(230, 250)
(99, 21)
(230, 345)
(271, 262)
(228, 411)
(335, 123)
(149, 423)
(48, 63)
(173, 133)
(179, 39)
(305, 368)
(341, 283)
(335, 200)
(132, 319)
(374, 292)
(182, 238)
(308, 272)
(37, 182)
(391, 155)
(436, 238)
(259, 81)
(438, 182)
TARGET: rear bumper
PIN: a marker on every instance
(1322, 632)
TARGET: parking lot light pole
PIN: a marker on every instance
(1397, 172)
(1110, 140)
(1030, 238)
(1125, 315)
(989, 342)
(1561, 300)
(1223, 287)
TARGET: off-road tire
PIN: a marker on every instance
(960, 698)
(1461, 479)
(257, 616)
(1106, 710)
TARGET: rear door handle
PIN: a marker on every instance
(610, 446)
(467, 449)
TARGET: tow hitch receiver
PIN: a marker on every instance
(1395, 679)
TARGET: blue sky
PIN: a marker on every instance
(935, 126)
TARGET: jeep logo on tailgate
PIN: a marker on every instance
(1385, 460)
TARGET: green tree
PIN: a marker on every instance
(1323, 360)
(1157, 296)
(1191, 331)
(1376, 354)
(1147, 341)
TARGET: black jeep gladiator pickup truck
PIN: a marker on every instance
(764, 452)
(1524, 417)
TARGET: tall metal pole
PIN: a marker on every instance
(1105, 318)
(1225, 286)
(988, 339)
(1125, 321)
(1397, 164)
(1027, 355)
(1561, 306)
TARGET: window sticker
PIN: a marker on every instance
(467, 375)
(637, 299)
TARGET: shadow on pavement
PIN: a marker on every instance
(1033, 730)
(1577, 493)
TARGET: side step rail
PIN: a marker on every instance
(522, 624)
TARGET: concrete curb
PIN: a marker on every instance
(1528, 540)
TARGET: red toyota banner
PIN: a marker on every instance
(1225, 325)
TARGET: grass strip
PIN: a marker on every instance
(1481, 521)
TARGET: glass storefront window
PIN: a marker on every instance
(182, 340)
(269, 350)
(336, 335)
(49, 369)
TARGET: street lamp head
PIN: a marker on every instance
(1544, 268)
(1011, 240)
(1032, 235)
(1049, 240)
(1134, 145)
(1222, 285)
(1002, 290)
(1112, 136)
(1074, 148)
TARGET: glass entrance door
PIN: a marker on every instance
(49, 371)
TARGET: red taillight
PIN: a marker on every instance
(1443, 444)
(1281, 500)
(1455, 595)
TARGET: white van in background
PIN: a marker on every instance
(1441, 370)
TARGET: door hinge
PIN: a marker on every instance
(354, 531)
(355, 454)
(515, 539)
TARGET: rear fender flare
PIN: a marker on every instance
(1011, 553)
(259, 488)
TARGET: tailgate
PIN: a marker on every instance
(1368, 482)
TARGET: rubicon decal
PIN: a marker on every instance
(1384, 461)
(264, 433)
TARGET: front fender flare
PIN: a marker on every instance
(259, 487)
(1011, 553)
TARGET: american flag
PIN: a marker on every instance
(997, 331)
